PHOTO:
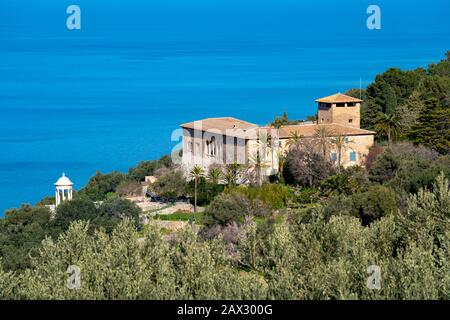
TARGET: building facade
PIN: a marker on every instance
(220, 141)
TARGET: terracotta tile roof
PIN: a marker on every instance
(230, 126)
(238, 128)
(338, 98)
(309, 130)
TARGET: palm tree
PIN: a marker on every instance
(322, 139)
(214, 175)
(196, 173)
(232, 173)
(256, 165)
(265, 143)
(277, 125)
(388, 124)
(281, 163)
(294, 139)
(340, 143)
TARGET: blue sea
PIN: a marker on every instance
(111, 94)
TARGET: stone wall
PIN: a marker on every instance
(324, 114)
(228, 149)
(345, 115)
(359, 144)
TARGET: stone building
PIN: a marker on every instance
(229, 140)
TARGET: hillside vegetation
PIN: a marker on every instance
(314, 231)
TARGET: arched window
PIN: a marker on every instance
(211, 147)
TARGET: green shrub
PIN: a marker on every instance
(349, 181)
(170, 184)
(378, 201)
(384, 167)
(110, 213)
(114, 211)
(206, 191)
(101, 184)
(148, 168)
(129, 188)
(408, 167)
(80, 208)
(273, 195)
(307, 195)
(182, 216)
(339, 205)
(46, 201)
(21, 230)
(233, 207)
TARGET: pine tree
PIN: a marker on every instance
(409, 111)
(433, 127)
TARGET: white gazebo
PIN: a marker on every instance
(64, 189)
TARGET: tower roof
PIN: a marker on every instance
(338, 98)
(63, 181)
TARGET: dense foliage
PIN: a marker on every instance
(23, 229)
(318, 259)
(101, 186)
(206, 191)
(305, 165)
(232, 207)
(273, 195)
(420, 99)
(148, 168)
(171, 184)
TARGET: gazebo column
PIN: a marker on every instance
(57, 197)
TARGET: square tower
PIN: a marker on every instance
(341, 109)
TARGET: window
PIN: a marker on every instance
(334, 157)
(352, 156)
(340, 104)
(211, 147)
(350, 120)
(346, 140)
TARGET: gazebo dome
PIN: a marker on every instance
(63, 182)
